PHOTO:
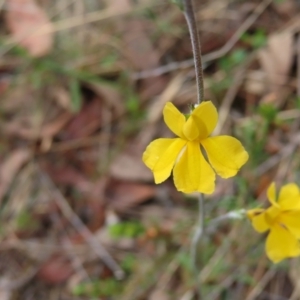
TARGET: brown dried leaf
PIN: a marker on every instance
(24, 18)
(159, 294)
(5, 294)
(52, 128)
(119, 4)
(86, 121)
(16, 97)
(111, 97)
(62, 97)
(286, 8)
(128, 165)
(276, 59)
(56, 270)
(138, 46)
(10, 167)
(95, 214)
(67, 175)
(123, 195)
(29, 132)
(264, 182)
(174, 86)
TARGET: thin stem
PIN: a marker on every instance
(192, 25)
(195, 241)
(196, 46)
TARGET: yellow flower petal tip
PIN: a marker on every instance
(282, 219)
(184, 155)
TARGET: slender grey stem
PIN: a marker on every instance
(199, 230)
(196, 46)
(192, 24)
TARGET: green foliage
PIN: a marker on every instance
(228, 203)
(236, 57)
(109, 60)
(268, 112)
(133, 105)
(220, 267)
(76, 97)
(297, 102)
(46, 71)
(227, 64)
(254, 140)
(128, 262)
(223, 85)
(184, 260)
(18, 51)
(98, 288)
(256, 40)
(179, 3)
(25, 221)
(246, 279)
(128, 229)
(132, 100)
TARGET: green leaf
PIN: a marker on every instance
(76, 97)
(129, 229)
(256, 40)
(268, 112)
(179, 3)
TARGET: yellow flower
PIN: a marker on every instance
(282, 219)
(191, 171)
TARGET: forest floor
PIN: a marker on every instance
(83, 85)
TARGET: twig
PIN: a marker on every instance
(262, 283)
(14, 284)
(285, 166)
(75, 260)
(275, 159)
(226, 283)
(192, 24)
(187, 295)
(210, 56)
(229, 98)
(77, 263)
(73, 22)
(81, 228)
(298, 66)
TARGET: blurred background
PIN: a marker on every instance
(83, 84)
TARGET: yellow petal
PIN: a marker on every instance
(161, 155)
(281, 244)
(259, 222)
(271, 193)
(226, 154)
(289, 197)
(154, 151)
(190, 129)
(291, 220)
(205, 116)
(192, 173)
(174, 119)
(272, 214)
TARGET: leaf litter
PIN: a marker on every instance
(78, 207)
